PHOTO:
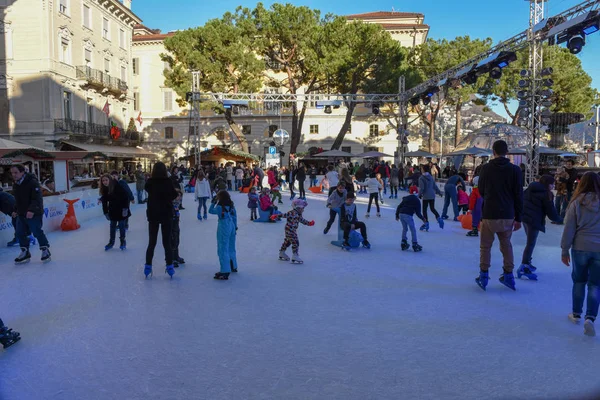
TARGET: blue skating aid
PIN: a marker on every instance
(354, 239)
(264, 216)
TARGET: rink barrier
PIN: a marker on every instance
(55, 209)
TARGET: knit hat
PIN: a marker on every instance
(413, 190)
(299, 204)
(476, 181)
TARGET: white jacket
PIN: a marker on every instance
(372, 184)
(202, 188)
(239, 174)
(332, 178)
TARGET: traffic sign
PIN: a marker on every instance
(272, 150)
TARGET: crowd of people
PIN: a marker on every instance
(498, 206)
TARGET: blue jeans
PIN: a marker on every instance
(33, 225)
(140, 196)
(450, 194)
(532, 235)
(238, 184)
(385, 181)
(408, 222)
(202, 204)
(586, 270)
(113, 230)
(560, 203)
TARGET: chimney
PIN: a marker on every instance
(127, 3)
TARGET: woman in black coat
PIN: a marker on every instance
(159, 212)
(115, 206)
(538, 204)
(301, 177)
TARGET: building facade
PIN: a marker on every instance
(166, 126)
(65, 70)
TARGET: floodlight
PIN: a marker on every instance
(523, 103)
(496, 73)
(547, 71)
(426, 100)
(327, 110)
(414, 101)
(375, 109)
(523, 83)
(575, 44)
(548, 82)
(431, 91)
(524, 73)
(522, 94)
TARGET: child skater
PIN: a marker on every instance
(463, 199)
(202, 194)
(115, 206)
(275, 194)
(374, 187)
(253, 203)
(349, 222)
(476, 206)
(378, 177)
(175, 231)
(266, 204)
(408, 207)
(294, 217)
(8, 337)
(334, 202)
(223, 208)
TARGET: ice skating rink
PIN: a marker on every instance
(369, 324)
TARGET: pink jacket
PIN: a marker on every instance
(271, 177)
(265, 202)
(463, 197)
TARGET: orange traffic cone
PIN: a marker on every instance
(69, 222)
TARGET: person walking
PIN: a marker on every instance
(427, 191)
(115, 207)
(223, 208)
(582, 237)
(140, 182)
(572, 172)
(159, 212)
(301, 177)
(560, 185)
(28, 212)
(451, 195)
(229, 177)
(394, 182)
(501, 187)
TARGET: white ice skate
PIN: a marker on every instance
(367, 215)
(588, 328)
(296, 259)
(283, 256)
(379, 214)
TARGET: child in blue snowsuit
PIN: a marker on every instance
(222, 206)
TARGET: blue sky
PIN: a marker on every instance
(479, 19)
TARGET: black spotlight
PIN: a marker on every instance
(414, 101)
(375, 109)
(426, 100)
(496, 73)
(327, 110)
(470, 79)
(575, 44)
(188, 96)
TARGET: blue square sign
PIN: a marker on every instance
(272, 150)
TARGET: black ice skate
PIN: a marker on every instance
(404, 245)
(296, 259)
(24, 257)
(417, 247)
(366, 244)
(283, 256)
(346, 245)
(45, 254)
(8, 337)
(221, 276)
(473, 233)
(123, 245)
(233, 268)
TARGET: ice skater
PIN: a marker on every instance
(427, 191)
(294, 218)
(202, 193)
(463, 200)
(451, 195)
(222, 206)
(475, 206)
(8, 337)
(177, 260)
(253, 203)
(373, 187)
(408, 207)
(334, 202)
(7, 206)
(115, 206)
(349, 222)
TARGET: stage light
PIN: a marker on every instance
(546, 121)
(575, 44)
(546, 93)
(522, 121)
(375, 109)
(431, 91)
(230, 103)
(591, 28)
(524, 112)
(546, 113)
(470, 79)
(547, 71)
(524, 73)
(523, 103)
(496, 73)
(523, 83)
(414, 101)
(426, 100)
(327, 110)
(548, 82)
(546, 103)
(522, 94)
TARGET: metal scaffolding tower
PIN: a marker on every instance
(403, 120)
(195, 124)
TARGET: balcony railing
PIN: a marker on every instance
(71, 126)
(96, 78)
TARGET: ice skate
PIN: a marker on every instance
(221, 276)
(424, 227)
(404, 245)
(326, 230)
(382, 201)
(45, 254)
(508, 280)
(12, 243)
(346, 245)
(367, 215)
(109, 246)
(123, 245)
(292, 196)
(296, 259)
(170, 270)
(482, 279)
(205, 216)
(455, 219)
(180, 260)
(441, 222)
(8, 337)
(473, 233)
(199, 216)
(24, 257)
(417, 247)
(147, 270)
(283, 256)
(575, 318)
(366, 244)
(445, 217)
(588, 328)
(526, 271)
(379, 215)
(233, 268)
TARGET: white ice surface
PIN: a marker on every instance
(370, 324)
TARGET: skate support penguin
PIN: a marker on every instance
(349, 223)
(294, 218)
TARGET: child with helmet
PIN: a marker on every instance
(294, 218)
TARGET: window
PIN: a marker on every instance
(105, 28)
(65, 51)
(122, 42)
(63, 7)
(136, 66)
(314, 129)
(88, 57)
(107, 66)
(374, 130)
(347, 149)
(67, 101)
(136, 101)
(90, 112)
(168, 132)
(247, 130)
(123, 73)
(87, 17)
(168, 101)
(272, 129)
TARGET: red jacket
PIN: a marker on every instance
(271, 177)
(265, 202)
(473, 198)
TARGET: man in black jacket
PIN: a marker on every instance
(7, 206)
(501, 187)
(571, 180)
(29, 211)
